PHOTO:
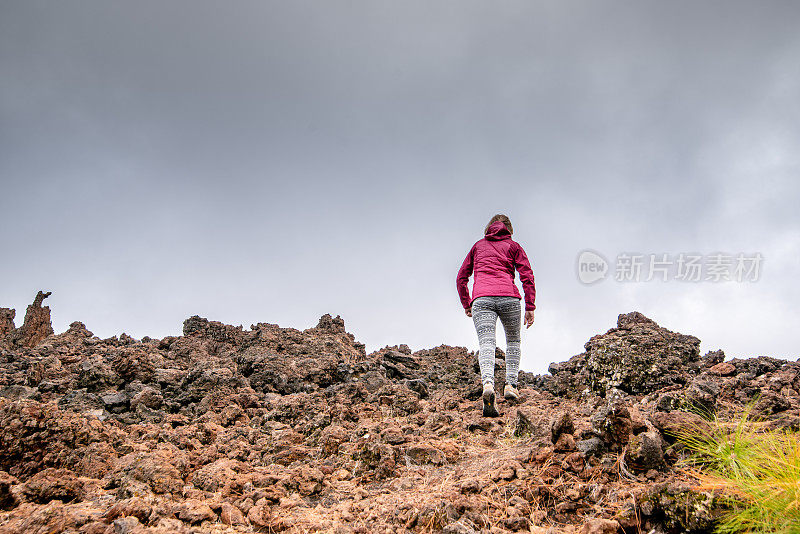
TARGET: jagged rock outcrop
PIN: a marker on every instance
(636, 357)
(6, 326)
(35, 328)
(275, 429)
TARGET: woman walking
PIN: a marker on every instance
(494, 259)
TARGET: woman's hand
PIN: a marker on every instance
(528, 318)
(468, 311)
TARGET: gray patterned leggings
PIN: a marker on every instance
(485, 311)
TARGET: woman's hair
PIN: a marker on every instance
(502, 218)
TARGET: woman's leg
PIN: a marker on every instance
(485, 319)
(510, 312)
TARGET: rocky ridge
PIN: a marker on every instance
(275, 429)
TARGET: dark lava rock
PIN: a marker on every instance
(636, 357)
(80, 400)
(699, 397)
(6, 326)
(36, 326)
(419, 387)
(590, 447)
(680, 509)
(713, 358)
(115, 402)
(770, 403)
(645, 451)
(639, 356)
(7, 498)
(561, 424)
(277, 429)
(612, 424)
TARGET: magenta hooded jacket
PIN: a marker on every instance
(494, 259)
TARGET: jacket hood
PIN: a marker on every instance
(497, 231)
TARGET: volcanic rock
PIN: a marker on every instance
(600, 526)
(612, 424)
(7, 327)
(645, 451)
(723, 369)
(36, 326)
(272, 429)
(636, 357)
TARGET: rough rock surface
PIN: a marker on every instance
(36, 326)
(275, 429)
(6, 326)
(636, 357)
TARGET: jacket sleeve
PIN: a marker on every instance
(463, 277)
(523, 267)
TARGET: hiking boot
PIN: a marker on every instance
(510, 393)
(489, 408)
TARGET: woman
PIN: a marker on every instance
(494, 260)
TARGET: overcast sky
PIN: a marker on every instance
(275, 161)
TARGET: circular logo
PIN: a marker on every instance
(592, 267)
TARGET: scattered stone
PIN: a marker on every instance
(54, 484)
(115, 402)
(561, 424)
(565, 442)
(135, 507)
(590, 447)
(575, 462)
(612, 424)
(600, 526)
(231, 515)
(126, 525)
(645, 451)
(682, 508)
(193, 511)
(471, 485)
(425, 454)
(674, 424)
(8, 499)
(771, 403)
(458, 527)
(276, 429)
(505, 471)
(723, 369)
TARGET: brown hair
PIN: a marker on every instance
(502, 218)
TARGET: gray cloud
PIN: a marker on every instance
(272, 161)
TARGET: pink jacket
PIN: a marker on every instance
(494, 259)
